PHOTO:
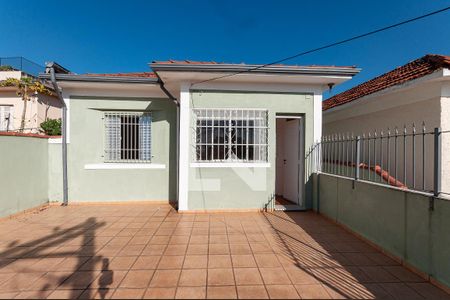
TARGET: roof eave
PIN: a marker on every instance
(282, 70)
(104, 79)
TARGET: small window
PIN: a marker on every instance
(6, 117)
(127, 137)
(231, 135)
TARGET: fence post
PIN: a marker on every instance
(437, 162)
(358, 156)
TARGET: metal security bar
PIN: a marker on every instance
(127, 137)
(230, 135)
(407, 158)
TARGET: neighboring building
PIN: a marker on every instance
(40, 108)
(214, 147)
(414, 93)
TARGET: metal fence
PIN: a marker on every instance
(22, 64)
(408, 157)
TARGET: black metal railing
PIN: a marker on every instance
(21, 64)
(409, 158)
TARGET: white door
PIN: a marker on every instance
(291, 160)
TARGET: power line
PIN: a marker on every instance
(331, 45)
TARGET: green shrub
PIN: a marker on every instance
(51, 126)
(6, 68)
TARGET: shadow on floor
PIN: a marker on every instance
(20, 253)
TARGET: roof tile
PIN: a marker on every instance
(413, 70)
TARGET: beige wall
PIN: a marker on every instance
(410, 104)
(38, 109)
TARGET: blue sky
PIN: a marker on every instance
(123, 36)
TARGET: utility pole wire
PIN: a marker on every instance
(330, 45)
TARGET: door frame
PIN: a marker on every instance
(301, 152)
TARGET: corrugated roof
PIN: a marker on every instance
(412, 70)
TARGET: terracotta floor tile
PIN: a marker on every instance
(252, 292)
(194, 249)
(80, 280)
(218, 239)
(154, 249)
(403, 274)
(428, 291)
(193, 277)
(175, 250)
(220, 277)
(312, 291)
(128, 294)
(240, 249)
(301, 276)
(260, 248)
(237, 239)
(221, 292)
(65, 294)
(108, 279)
(122, 262)
(195, 262)
(199, 239)
(267, 261)
(274, 276)
(179, 240)
(131, 250)
(379, 274)
(219, 261)
(171, 262)
(282, 292)
(217, 249)
(247, 276)
(160, 293)
(243, 261)
(165, 278)
(137, 279)
(191, 293)
(146, 262)
(401, 291)
(97, 294)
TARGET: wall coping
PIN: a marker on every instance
(42, 136)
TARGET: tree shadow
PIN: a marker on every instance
(47, 247)
(313, 250)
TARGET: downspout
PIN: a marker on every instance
(64, 134)
(174, 100)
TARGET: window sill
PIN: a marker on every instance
(229, 165)
(123, 166)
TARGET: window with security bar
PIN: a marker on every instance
(128, 137)
(231, 135)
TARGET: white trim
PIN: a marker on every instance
(183, 162)
(123, 166)
(230, 165)
(55, 140)
(317, 117)
(66, 98)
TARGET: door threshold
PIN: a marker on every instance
(288, 207)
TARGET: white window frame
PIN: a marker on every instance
(139, 132)
(233, 120)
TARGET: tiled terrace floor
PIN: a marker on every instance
(135, 251)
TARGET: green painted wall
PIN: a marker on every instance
(398, 221)
(86, 147)
(234, 192)
(23, 175)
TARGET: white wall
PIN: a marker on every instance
(405, 106)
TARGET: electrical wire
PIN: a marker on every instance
(330, 45)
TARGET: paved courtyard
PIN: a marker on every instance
(151, 251)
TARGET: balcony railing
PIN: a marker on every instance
(22, 64)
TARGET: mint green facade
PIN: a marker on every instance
(401, 222)
(24, 173)
(86, 146)
(234, 188)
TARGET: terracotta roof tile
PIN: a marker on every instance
(133, 74)
(413, 70)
